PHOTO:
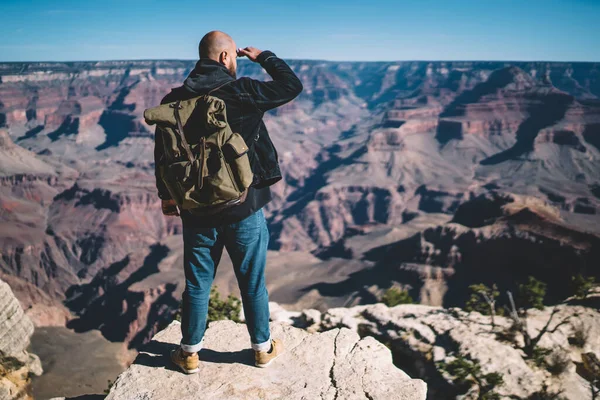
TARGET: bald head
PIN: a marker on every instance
(220, 47)
(214, 43)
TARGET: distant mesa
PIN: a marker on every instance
(509, 78)
(432, 175)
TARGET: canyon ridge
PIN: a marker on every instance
(427, 176)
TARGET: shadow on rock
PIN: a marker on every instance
(157, 354)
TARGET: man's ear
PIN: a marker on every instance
(222, 57)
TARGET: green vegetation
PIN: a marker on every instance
(532, 293)
(582, 285)
(483, 300)
(229, 308)
(539, 355)
(555, 361)
(394, 296)
(110, 385)
(223, 309)
(466, 373)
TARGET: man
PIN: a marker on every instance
(241, 229)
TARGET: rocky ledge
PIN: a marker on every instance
(422, 339)
(16, 364)
(336, 364)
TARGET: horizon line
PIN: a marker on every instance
(308, 59)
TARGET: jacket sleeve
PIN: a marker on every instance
(284, 87)
(163, 192)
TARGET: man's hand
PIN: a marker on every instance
(169, 208)
(250, 52)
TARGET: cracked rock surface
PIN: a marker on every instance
(423, 336)
(16, 363)
(332, 365)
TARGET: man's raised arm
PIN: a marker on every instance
(284, 87)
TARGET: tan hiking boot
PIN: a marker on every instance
(264, 358)
(188, 364)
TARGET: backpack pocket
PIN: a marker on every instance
(235, 151)
(182, 178)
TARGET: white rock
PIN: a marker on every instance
(439, 353)
(280, 314)
(428, 335)
(311, 316)
(336, 364)
(15, 332)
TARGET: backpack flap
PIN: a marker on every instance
(235, 151)
(235, 147)
(162, 114)
(216, 117)
(209, 111)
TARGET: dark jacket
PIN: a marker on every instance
(246, 100)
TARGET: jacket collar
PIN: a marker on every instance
(207, 75)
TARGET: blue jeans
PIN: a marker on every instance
(246, 242)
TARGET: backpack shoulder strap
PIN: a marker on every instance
(186, 145)
(176, 106)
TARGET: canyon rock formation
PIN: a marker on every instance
(417, 174)
(422, 338)
(337, 364)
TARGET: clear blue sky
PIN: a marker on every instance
(65, 30)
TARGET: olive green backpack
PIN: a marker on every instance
(205, 165)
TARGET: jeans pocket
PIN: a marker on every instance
(249, 230)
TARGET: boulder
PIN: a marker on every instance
(421, 337)
(336, 364)
(16, 364)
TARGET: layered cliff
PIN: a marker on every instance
(424, 153)
(377, 159)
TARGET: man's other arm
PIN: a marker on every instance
(284, 87)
